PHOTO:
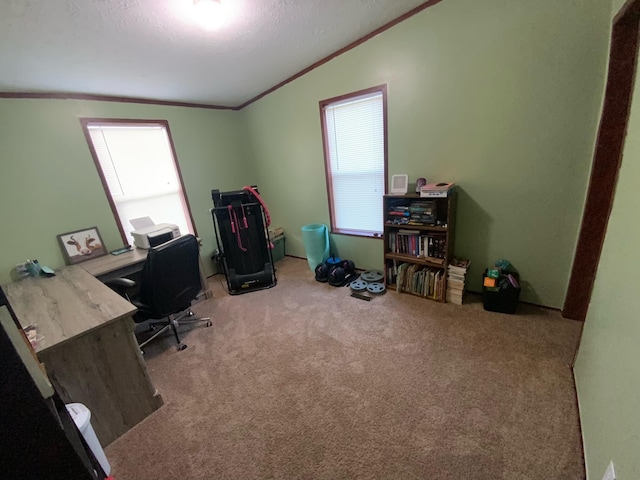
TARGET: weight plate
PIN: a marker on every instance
(372, 276)
(376, 288)
(333, 261)
(358, 285)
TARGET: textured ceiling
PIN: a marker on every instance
(154, 49)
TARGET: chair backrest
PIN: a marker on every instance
(171, 276)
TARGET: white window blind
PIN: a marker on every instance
(355, 147)
(138, 166)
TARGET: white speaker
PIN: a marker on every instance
(399, 184)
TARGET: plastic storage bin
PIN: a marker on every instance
(82, 418)
(503, 301)
(278, 249)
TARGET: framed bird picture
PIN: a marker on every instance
(81, 245)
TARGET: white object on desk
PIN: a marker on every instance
(142, 222)
(155, 235)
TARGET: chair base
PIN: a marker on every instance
(172, 322)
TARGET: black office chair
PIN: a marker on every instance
(170, 281)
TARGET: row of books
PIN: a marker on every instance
(419, 212)
(417, 279)
(411, 242)
(456, 280)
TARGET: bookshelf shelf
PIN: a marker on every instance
(422, 228)
(418, 239)
(428, 261)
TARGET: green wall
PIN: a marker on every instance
(501, 97)
(607, 369)
(49, 184)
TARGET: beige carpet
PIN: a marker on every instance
(302, 381)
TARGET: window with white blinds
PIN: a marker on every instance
(138, 168)
(355, 160)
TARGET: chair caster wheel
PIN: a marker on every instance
(209, 323)
(181, 347)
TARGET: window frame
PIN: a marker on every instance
(327, 161)
(86, 122)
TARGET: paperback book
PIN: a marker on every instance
(456, 280)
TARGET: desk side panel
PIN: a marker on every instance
(105, 371)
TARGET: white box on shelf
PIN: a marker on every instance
(436, 190)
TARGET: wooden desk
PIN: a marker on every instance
(127, 264)
(111, 266)
(89, 349)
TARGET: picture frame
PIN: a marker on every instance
(81, 245)
(399, 184)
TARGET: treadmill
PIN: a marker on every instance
(244, 248)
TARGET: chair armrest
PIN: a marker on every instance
(120, 283)
(122, 286)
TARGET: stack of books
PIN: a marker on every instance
(456, 278)
(398, 215)
(422, 212)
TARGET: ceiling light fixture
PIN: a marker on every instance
(209, 13)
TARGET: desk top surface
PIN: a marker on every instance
(66, 306)
(110, 263)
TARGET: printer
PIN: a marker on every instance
(153, 235)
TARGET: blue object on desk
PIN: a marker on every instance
(47, 271)
(120, 251)
(33, 267)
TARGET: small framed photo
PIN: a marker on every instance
(399, 184)
(81, 245)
